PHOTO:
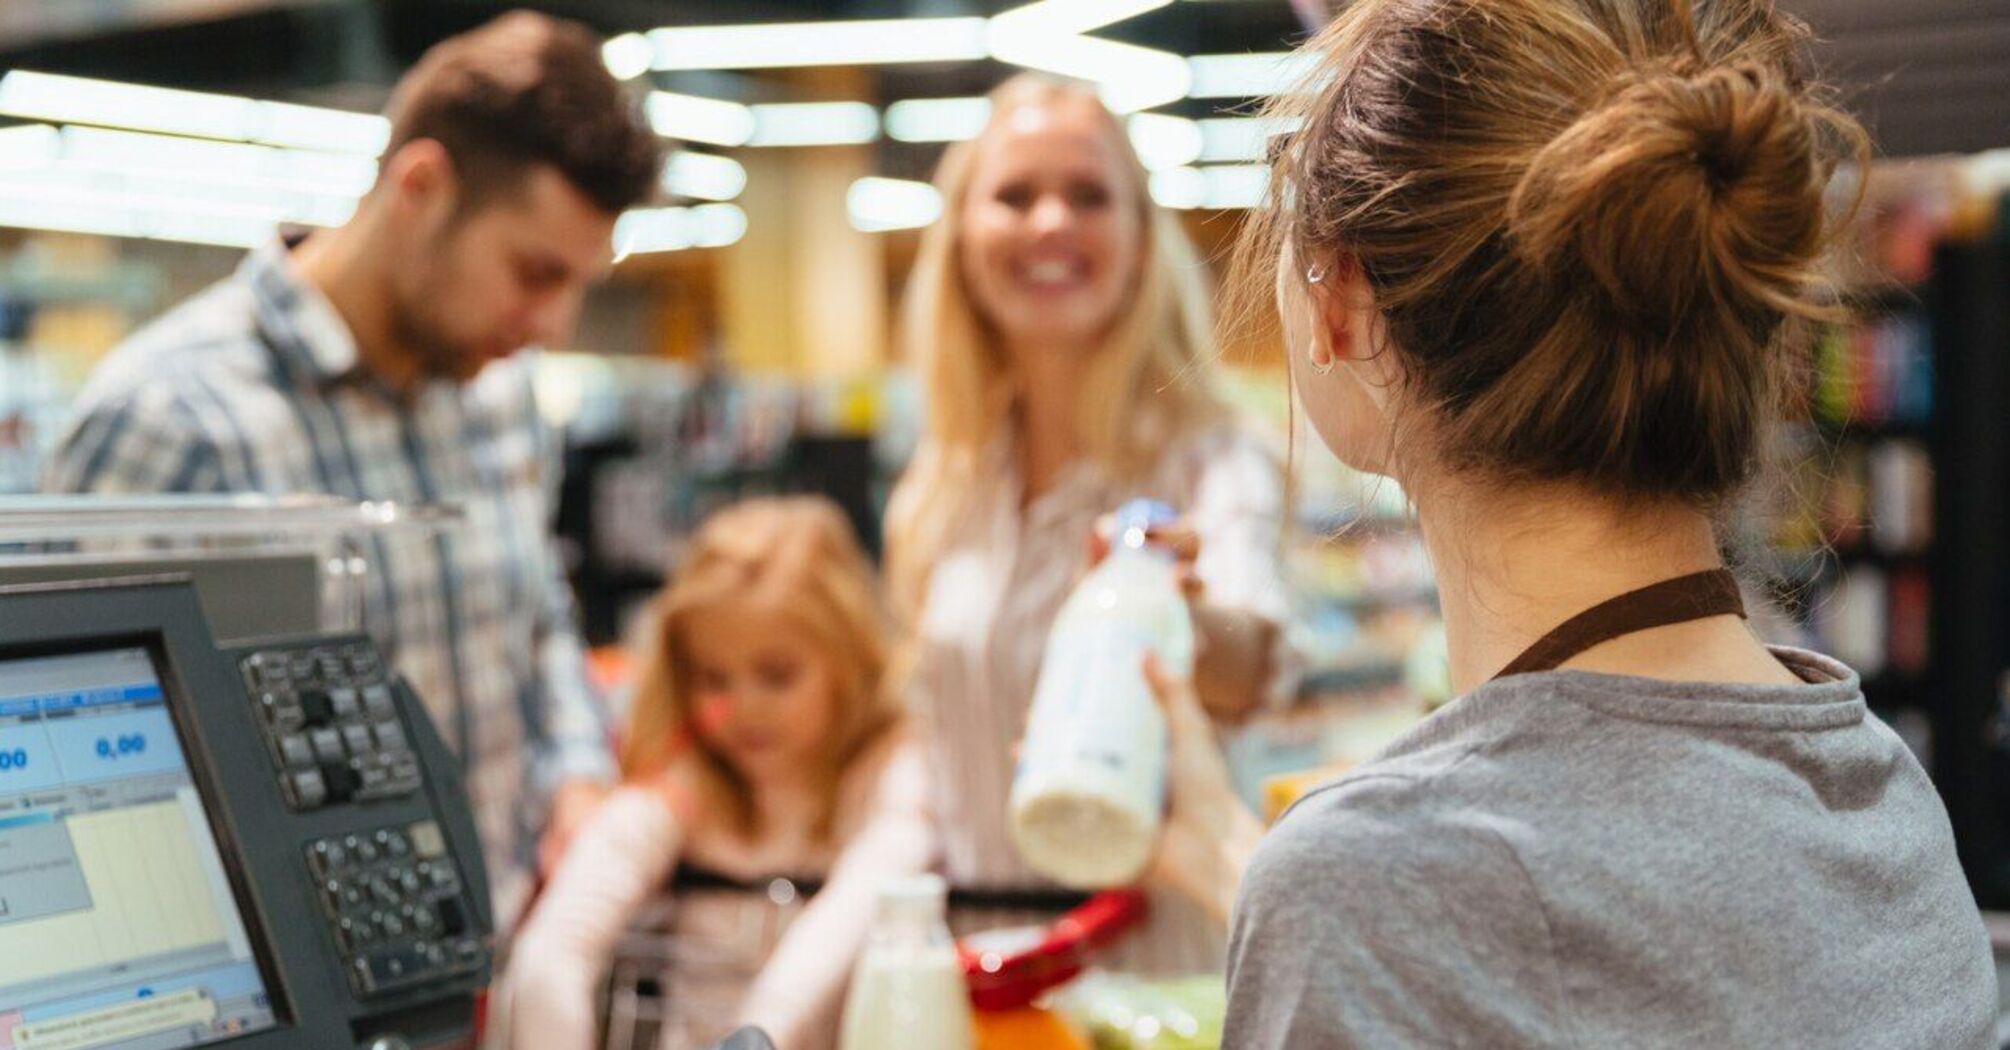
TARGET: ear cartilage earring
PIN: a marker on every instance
(1315, 275)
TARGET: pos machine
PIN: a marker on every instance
(264, 846)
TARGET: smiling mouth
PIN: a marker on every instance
(1053, 274)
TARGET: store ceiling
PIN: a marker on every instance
(1930, 76)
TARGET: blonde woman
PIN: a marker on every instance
(762, 744)
(1059, 322)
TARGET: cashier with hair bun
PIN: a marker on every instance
(1549, 263)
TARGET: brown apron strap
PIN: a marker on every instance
(1680, 600)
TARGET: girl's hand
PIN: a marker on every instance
(683, 787)
(1209, 834)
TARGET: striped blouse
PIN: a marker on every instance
(991, 600)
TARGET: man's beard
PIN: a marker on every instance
(434, 354)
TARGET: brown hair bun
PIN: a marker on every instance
(1681, 194)
(1591, 227)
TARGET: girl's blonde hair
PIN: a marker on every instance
(1149, 384)
(796, 555)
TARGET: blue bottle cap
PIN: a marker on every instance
(1136, 518)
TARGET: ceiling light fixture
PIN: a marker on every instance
(937, 119)
(1220, 186)
(696, 119)
(814, 124)
(847, 43)
(1163, 141)
(875, 204)
(645, 230)
(1072, 17)
(28, 146)
(80, 100)
(1258, 75)
(1240, 138)
(1128, 77)
(704, 176)
(628, 56)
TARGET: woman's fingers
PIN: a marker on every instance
(1177, 537)
(1184, 715)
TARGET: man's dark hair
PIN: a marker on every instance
(527, 89)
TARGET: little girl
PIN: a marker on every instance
(761, 743)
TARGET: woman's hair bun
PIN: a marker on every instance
(1682, 196)
(1595, 230)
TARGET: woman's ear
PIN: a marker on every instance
(1346, 309)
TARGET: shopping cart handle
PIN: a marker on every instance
(746, 1039)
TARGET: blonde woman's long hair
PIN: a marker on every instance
(1150, 383)
(799, 556)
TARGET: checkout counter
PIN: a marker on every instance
(260, 843)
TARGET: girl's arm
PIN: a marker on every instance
(618, 862)
(799, 993)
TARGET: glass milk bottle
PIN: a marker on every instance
(1090, 789)
(908, 990)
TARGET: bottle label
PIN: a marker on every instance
(1094, 720)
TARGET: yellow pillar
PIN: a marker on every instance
(805, 293)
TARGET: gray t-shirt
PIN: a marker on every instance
(1570, 859)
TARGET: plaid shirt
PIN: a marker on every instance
(254, 386)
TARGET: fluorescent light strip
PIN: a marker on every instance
(719, 225)
(645, 230)
(704, 176)
(316, 128)
(117, 214)
(1221, 187)
(814, 124)
(1072, 17)
(183, 191)
(132, 184)
(29, 146)
(937, 119)
(77, 100)
(865, 42)
(1258, 75)
(1163, 141)
(1128, 77)
(1239, 138)
(696, 119)
(875, 204)
(227, 162)
(628, 56)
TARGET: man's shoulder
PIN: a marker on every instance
(209, 342)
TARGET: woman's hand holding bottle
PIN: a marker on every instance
(1209, 834)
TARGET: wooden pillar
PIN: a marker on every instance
(804, 293)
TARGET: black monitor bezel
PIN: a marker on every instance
(224, 753)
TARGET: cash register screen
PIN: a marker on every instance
(118, 925)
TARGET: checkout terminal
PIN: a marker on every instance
(262, 846)
(259, 845)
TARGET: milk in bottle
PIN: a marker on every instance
(1088, 795)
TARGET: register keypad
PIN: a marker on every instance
(332, 724)
(396, 906)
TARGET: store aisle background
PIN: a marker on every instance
(744, 345)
